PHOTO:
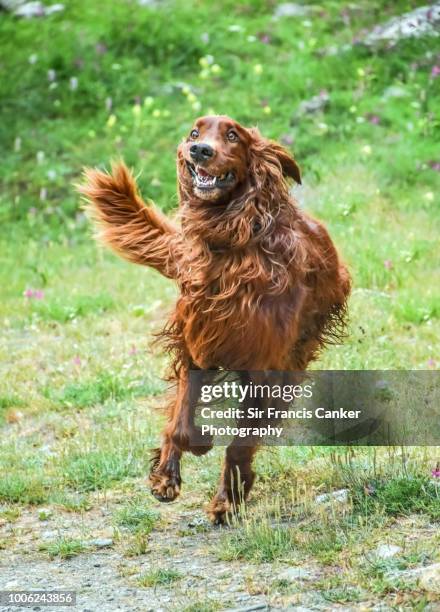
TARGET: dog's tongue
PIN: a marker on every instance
(202, 172)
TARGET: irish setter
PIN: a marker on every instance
(261, 284)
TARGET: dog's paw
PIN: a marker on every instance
(164, 487)
(220, 510)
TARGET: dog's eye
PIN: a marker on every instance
(194, 134)
(232, 136)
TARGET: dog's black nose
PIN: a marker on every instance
(201, 152)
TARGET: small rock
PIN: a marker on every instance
(386, 551)
(290, 9)
(53, 8)
(296, 573)
(11, 584)
(394, 91)
(249, 609)
(315, 104)
(36, 9)
(198, 522)
(101, 542)
(11, 5)
(44, 514)
(428, 577)
(340, 496)
(422, 21)
(29, 10)
(49, 535)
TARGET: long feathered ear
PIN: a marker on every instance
(288, 164)
(270, 151)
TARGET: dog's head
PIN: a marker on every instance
(220, 158)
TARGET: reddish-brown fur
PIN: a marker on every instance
(261, 284)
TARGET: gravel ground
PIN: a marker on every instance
(106, 579)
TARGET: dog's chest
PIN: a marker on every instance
(231, 317)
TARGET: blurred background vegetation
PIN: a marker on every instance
(89, 83)
(97, 81)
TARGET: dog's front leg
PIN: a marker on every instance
(140, 233)
(164, 478)
(180, 435)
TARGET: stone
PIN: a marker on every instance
(101, 542)
(49, 535)
(290, 9)
(428, 577)
(27, 10)
(249, 609)
(424, 20)
(11, 5)
(296, 573)
(386, 551)
(394, 91)
(313, 105)
(340, 496)
(53, 8)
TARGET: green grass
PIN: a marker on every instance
(110, 455)
(10, 514)
(71, 502)
(65, 548)
(7, 402)
(137, 545)
(106, 386)
(203, 606)
(406, 495)
(80, 396)
(57, 310)
(289, 525)
(93, 470)
(136, 517)
(261, 539)
(159, 577)
(10, 401)
(22, 487)
(342, 594)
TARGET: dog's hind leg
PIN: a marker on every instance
(236, 481)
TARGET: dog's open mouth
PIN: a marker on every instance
(203, 180)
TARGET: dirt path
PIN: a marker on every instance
(105, 579)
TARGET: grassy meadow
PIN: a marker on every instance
(80, 385)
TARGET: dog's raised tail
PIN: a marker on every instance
(136, 231)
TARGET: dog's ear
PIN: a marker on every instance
(288, 164)
(268, 151)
